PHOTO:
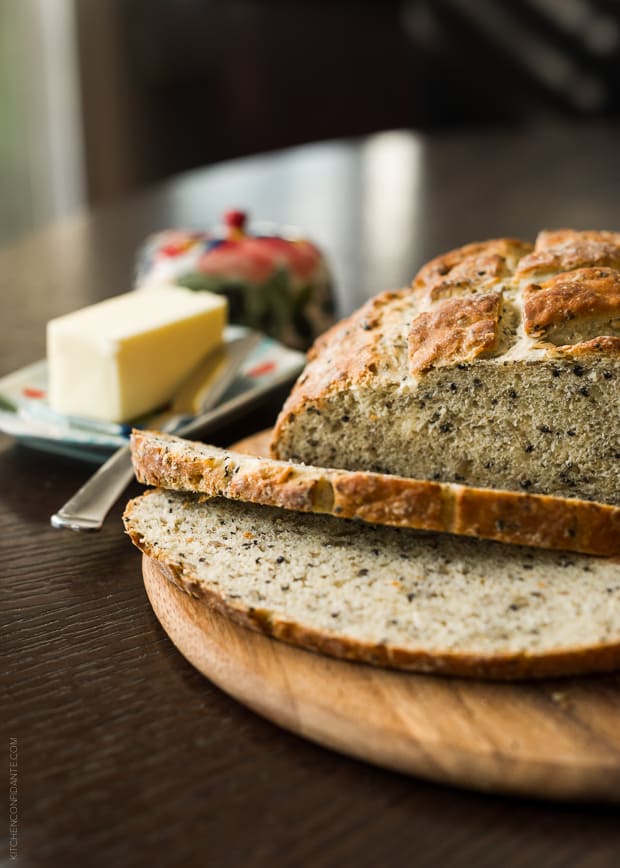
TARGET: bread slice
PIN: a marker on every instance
(383, 595)
(499, 367)
(513, 517)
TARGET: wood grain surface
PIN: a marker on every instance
(536, 739)
(128, 756)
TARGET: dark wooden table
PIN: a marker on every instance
(126, 756)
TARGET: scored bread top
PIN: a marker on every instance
(500, 299)
(571, 306)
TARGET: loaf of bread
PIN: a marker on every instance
(509, 516)
(499, 367)
(383, 595)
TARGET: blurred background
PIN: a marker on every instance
(99, 98)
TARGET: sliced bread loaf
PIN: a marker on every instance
(499, 367)
(514, 517)
(384, 595)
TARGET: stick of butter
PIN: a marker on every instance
(126, 356)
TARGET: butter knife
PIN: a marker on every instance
(191, 410)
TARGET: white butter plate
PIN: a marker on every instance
(26, 415)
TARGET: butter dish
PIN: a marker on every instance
(26, 415)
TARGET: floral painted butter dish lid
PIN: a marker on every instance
(275, 281)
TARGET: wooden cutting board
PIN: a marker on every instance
(552, 739)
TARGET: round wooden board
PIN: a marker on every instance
(551, 739)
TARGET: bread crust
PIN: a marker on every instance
(604, 345)
(456, 330)
(555, 237)
(512, 517)
(467, 266)
(566, 250)
(584, 294)
(510, 666)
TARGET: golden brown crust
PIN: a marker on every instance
(455, 330)
(552, 237)
(383, 499)
(277, 487)
(474, 274)
(506, 516)
(547, 522)
(594, 348)
(157, 457)
(569, 256)
(493, 257)
(584, 294)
